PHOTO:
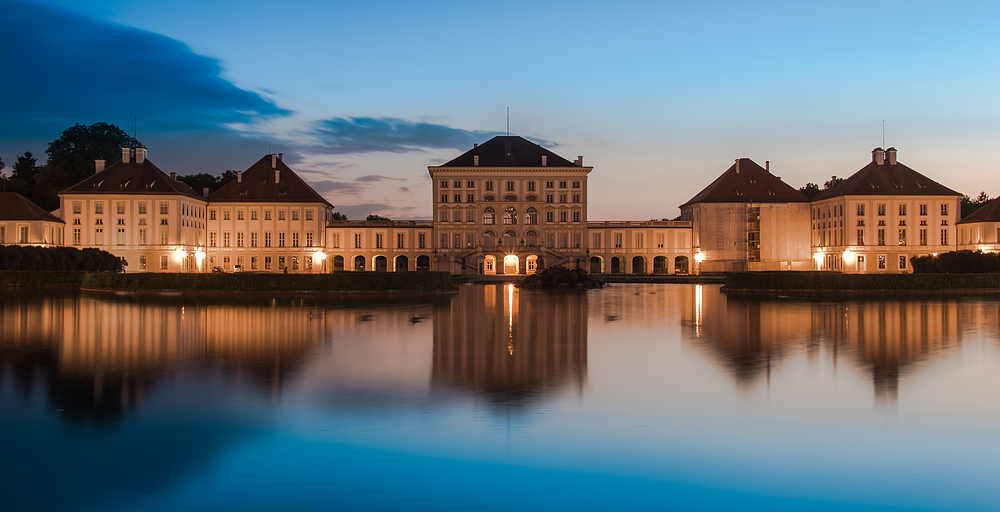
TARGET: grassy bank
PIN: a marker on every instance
(26, 279)
(251, 283)
(757, 282)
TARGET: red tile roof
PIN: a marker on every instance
(747, 182)
(14, 206)
(887, 179)
(988, 212)
(132, 178)
(508, 151)
(258, 184)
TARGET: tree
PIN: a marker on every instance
(811, 190)
(373, 216)
(338, 216)
(25, 169)
(227, 176)
(969, 205)
(74, 152)
(200, 181)
(831, 182)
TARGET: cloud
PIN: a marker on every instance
(386, 134)
(62, 69)
(404, 189)
(374, 177)
(360, 211)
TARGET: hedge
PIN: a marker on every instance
(45, 259)
(250, 282)
(839, 281)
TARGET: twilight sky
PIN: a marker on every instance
(660, 97)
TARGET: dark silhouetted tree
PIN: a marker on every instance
(199, 181)
(969, 205)
(811, 190)
(373, 216)
(74, 152)
(338, 216)
(831, 182)
(227, 176)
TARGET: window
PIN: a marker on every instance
(470, 184)
(881, 209)
(576, 198)
(881, 237)
(902, 236)
(378, 240)
(76, 236)
(509, 216)
(239, 215)
(550, 217)
(638, 241)
(357, 240)
(267, 239)
(902, 209)
(142, 263)
(253, 263)
(267, 263)
(281, 239)
(225, 239)
(562, 198)
(549, 198)
(253, 239)
(659, 240)
(562, 184)
(281, 262)
(309, 239)
(881, 261)
(549, 184)
(458, 198)
(163, 263)
(422, 240)
(902, 262)
(444, 183)
(335, 240)
(164, 208)
(531, 186)
(309, 215)
(861, 237)
(99, 208)
(444, 198)
(142, 236)
(562, 216)
(531, 217)
(295, 215)
(225, 215)
(510, 186)
(120, 208)
(295, 239)
(457, 184)
(281, 214)
(597, 240)
(212, 239)
(295, 262)
(22, 234)
(576, 216)
(944, 208)
(253, 216)
(443, 216)
(99, 236)
(861, 208)
(923, 237)
(489, 185)
(267, 214)
(399, 240)
(211, 214)
(444, 240)
(923, 209)
(76, 207)
(239, 239)
(944, 236)
(618, 240)
(163, 221)
(489, 216)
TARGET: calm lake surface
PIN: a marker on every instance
(635, 396)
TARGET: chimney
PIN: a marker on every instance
(126, 154)
(280, 157)
(878, 156)
(475, 145)
(580, 159)
(545, 160)
(98, 165)
(239, 176)
(892, 155)
(204, 192)
(140, 154)
(767, 165)
(475, 160)
(277, 176)
(737, 166)
(173, 176)
(274, 161)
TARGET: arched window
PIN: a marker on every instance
(531, 238)
(510, 197)
(489, 216)
(531, 216)
(489, 239)
(489, 197)
(509, 238)
(509, 215)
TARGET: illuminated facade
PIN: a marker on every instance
(22, 222)
(980, 231)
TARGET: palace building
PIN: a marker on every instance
(505, 207)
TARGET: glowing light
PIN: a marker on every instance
(510, 260)
(320, 255)
(697, 309)
(935, 255)
(847, 255)
(199, 255)
(179, 254)
(699, 257)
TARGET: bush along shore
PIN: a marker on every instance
(27, 279)
(752, 283)
(272, 283)
(560, 278)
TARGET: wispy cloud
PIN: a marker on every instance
(73, 69)
(375, 177)
(386, 134)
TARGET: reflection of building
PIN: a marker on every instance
(881, 216)
(25, 223)
(883, 336)
(510, 344)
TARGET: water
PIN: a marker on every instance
(636, 396)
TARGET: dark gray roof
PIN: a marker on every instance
(508, 151)
(258, 184)
(747, 182)
(14, 206)
(132, 178)
(886, 179)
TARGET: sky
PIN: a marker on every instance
(659, 97)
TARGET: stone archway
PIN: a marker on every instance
(402, 263)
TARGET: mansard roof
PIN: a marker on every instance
(747, 182)
(886, 179)
(132, 178)
(14, 206)
(258, 183)
(988, 212)
(508, 151)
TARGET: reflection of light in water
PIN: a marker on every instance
(510, 318)
(697, 310)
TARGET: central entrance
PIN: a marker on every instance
(510, 263)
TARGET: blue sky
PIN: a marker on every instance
(659, 97)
